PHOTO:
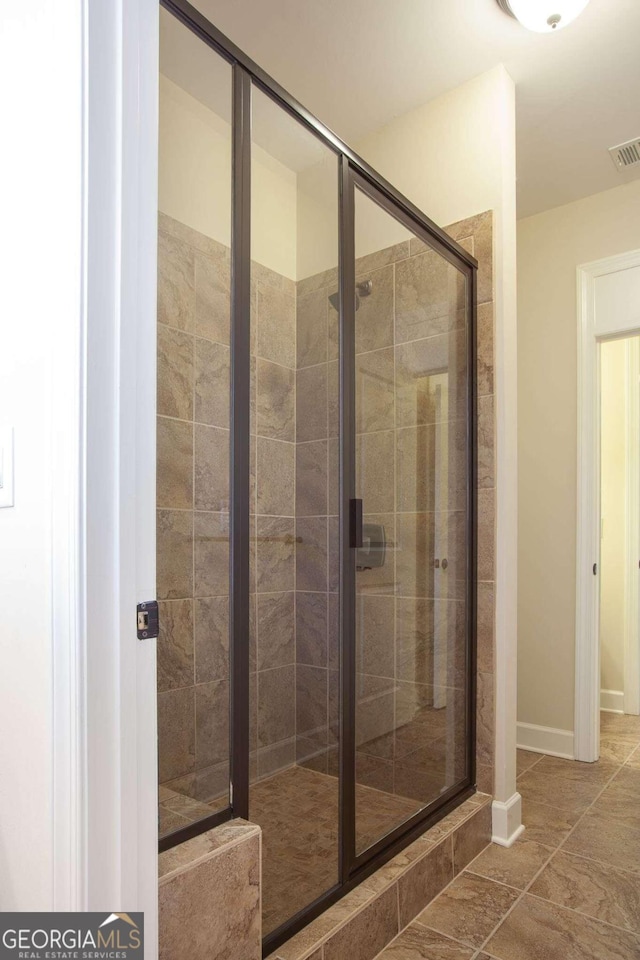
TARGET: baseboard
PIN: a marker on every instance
(549, 740)
(506, 819)
(612, 701)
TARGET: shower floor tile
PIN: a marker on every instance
(298, 812)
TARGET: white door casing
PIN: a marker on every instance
(608, 308)
(104, 689)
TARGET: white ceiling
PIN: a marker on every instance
(357, 64)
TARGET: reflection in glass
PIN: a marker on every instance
(411, 474)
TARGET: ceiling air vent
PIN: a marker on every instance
(626, 154)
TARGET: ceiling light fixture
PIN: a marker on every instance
(543, 16)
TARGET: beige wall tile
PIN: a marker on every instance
(486, 627)
(486, 443)
(375, 391)
(311, 478)
(276, 705)
(176, 283)
(485, 341)
(212, 722)
(211, 617)
(375, 635)
(275, 555)
(380, 258)
(311, 403)
(375, 471)
(311, 702)
(211, 542)
(176, 733)
(311, 554)
(211, 468)
(276, 629)
(212, 382)
(212, 298)
(174, 469)
(311, 628)
(486, 534)
(276, 333)
(275, 400)
(275, 486)
(374, 316)
(174, 574)
(430, 297)
(312, 319)
(175, 373)
(175, 645)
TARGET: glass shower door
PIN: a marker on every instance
(413, 479)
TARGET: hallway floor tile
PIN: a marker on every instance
(569, 888)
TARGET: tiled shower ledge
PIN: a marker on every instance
(360, 925)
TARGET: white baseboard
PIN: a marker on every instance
(549, 740)
(612, 701)
(506, 819)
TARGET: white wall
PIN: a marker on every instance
(550, 247)
(613, 441)
(195, 180)
(40, 198)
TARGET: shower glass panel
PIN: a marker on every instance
(194, 235)
(315, 487)
(411, 345)
(294, 510)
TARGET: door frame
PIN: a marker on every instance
(593, 328)
(103, 557)
(351, 860)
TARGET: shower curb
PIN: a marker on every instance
(368, 918)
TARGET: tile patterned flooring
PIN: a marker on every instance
(569, 889)
(298, 812)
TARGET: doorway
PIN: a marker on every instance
(619, 539)
(607, 656)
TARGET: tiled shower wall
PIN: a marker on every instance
(396, 344)
(294, 665)
(193, 517)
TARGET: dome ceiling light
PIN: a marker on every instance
(543, 16)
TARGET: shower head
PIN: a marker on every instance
(363, 289)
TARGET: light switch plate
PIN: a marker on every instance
(6, 467)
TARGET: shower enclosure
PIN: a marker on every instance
(316, 487)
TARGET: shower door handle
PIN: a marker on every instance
(355, 523)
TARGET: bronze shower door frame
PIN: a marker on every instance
(352, 172)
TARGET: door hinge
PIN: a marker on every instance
(148, 619)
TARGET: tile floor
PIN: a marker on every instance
(569, 889)
(298, 812)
